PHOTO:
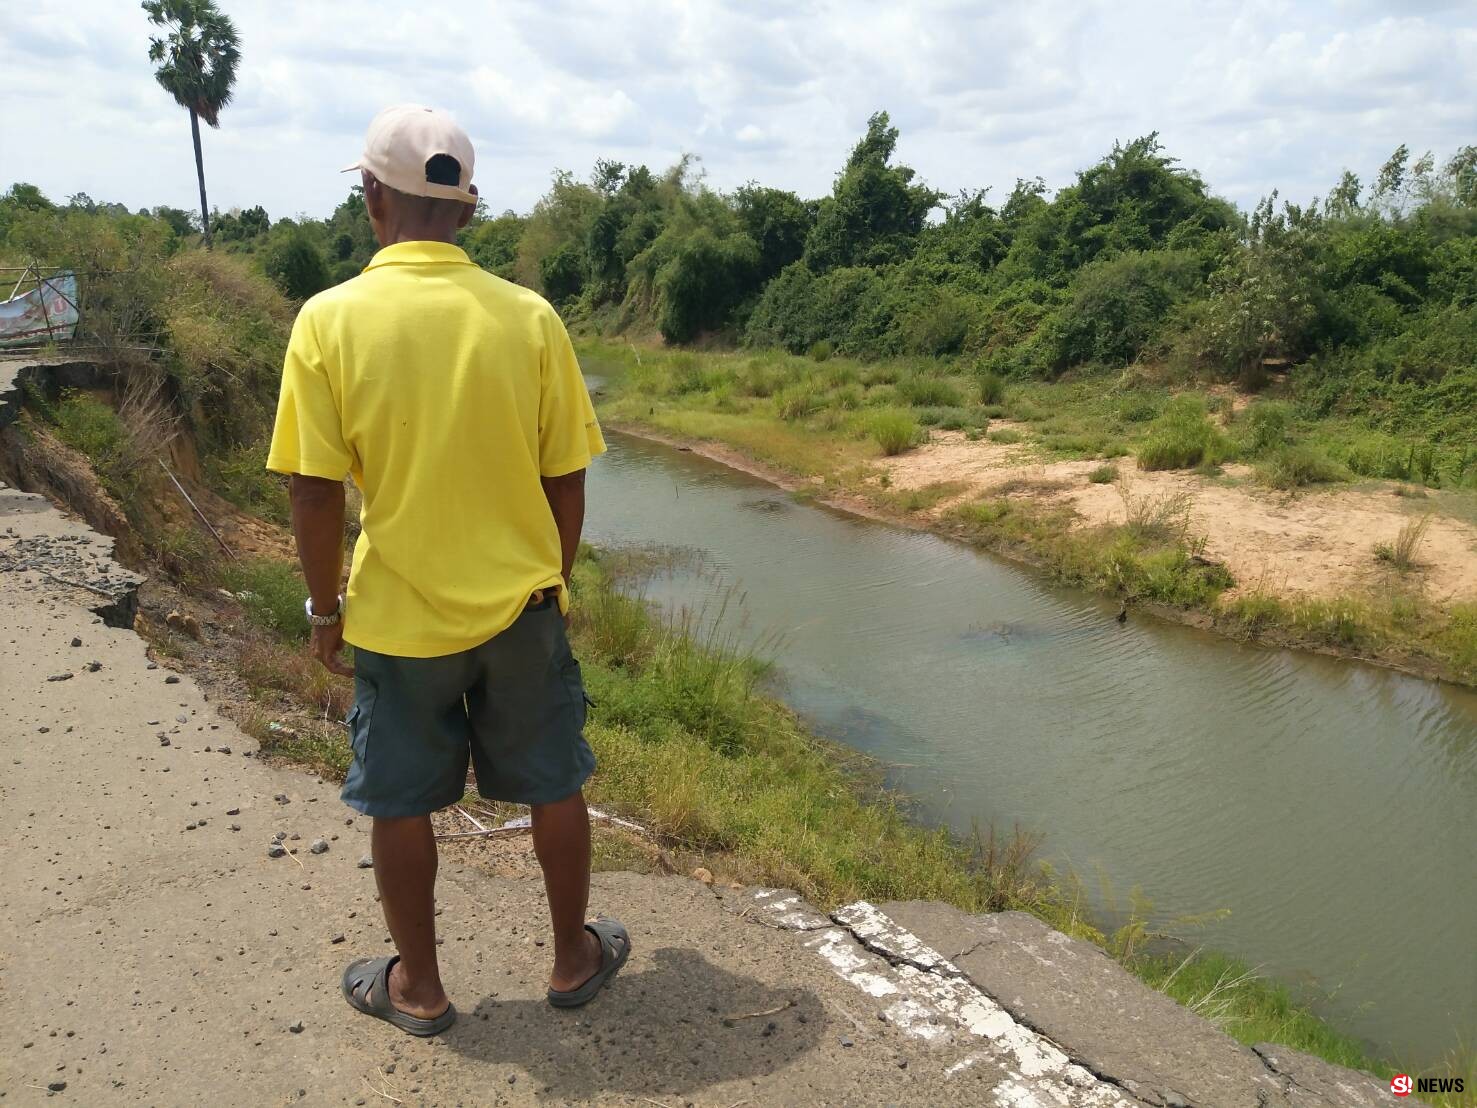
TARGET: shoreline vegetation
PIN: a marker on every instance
(1131, 312)
(693, 746)
(842, 438)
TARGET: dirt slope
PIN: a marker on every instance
(1317, 542)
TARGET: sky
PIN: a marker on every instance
(1256, 95)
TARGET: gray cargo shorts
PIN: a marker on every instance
(514, 705)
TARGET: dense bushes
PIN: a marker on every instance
(1362, 307)
(296, 265)
(1368, 302)
(1117, 305)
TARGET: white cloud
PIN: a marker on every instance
(1257, 94)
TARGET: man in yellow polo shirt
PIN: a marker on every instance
(455, 401)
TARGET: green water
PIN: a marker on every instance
(1330, 806)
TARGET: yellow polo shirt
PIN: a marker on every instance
(446, 392)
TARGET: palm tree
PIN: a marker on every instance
(196, 61)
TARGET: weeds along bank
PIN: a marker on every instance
(189, 345)
(1012, 462)
(692, 746)
(688, 743)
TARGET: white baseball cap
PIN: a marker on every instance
(399, 147)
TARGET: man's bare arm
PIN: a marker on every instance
(318, 523)
(566, 496)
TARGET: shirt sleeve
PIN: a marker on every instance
(308, 436)
(568, 433)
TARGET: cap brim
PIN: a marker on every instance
(351, 168)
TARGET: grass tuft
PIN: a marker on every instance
(272, 593)
(920, 391)
(1183, 437)
(1291, 467)
(991, 388)
(1401, 553)
(894, 431)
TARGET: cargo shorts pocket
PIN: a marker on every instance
(359, 720)
(574, 684)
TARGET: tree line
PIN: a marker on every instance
(1369, 291)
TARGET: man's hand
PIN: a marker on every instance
(328, 647)
(318, 523)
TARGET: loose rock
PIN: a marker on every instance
(296, 1027)
(366, 862)
(703, 875)
(172, 679)
(320, 846)
(337, 938)
(93, 666)
(76, 641)
(276, 850)
(60, 677)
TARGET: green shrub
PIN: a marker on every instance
(894, 431)
(1117, 305)
(991, 387)
(1289, 467)
(1137, 409)
(697, 274)
(272, 593)
(939, 325)
(922, 391)
(757, 380)
(295, 264)
(1459, 637)
(1103, 475)
(240, 475)
(841, 373)
(800, 400)
(1182, 438)
(1267, 423)
(820, 350)
(950, 419)
(685, 374)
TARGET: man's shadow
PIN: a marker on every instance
(668, 1029)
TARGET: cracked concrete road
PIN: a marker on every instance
(158, 956)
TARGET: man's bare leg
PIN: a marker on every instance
(561, 839)
(405, 871)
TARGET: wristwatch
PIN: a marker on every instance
(328, 620)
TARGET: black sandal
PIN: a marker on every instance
(615, 948)
(367, 988)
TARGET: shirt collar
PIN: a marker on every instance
(420, 253)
